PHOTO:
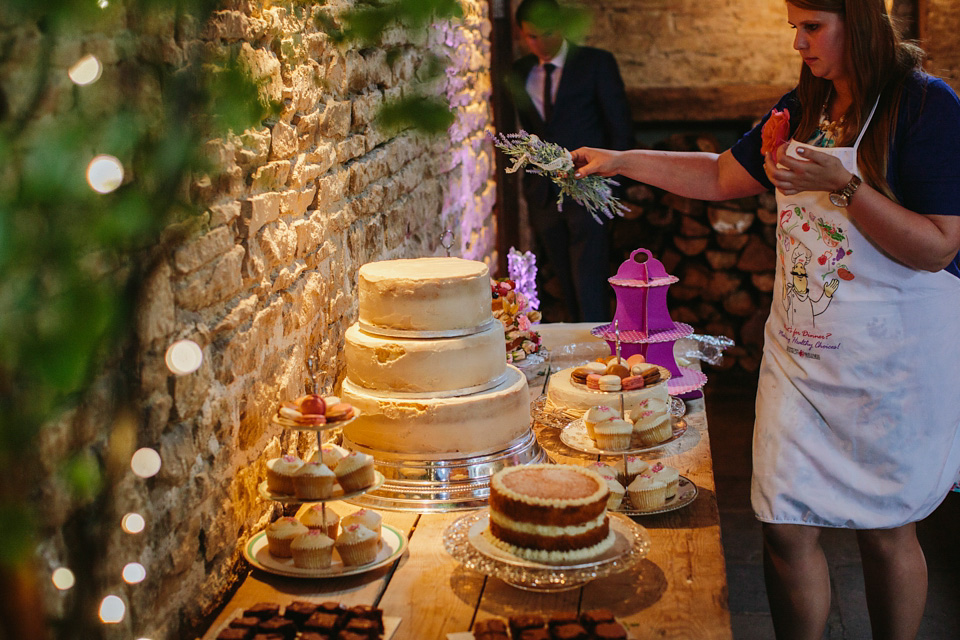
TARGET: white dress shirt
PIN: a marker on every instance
(537, 75)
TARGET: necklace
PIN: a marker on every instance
(829, 132)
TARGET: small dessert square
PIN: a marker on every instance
(279, 626)
(593, 617)
(489, 625)
(572, 631)
(367, 612)
(263, 610)
(235, 633)
(610, 631)
(523, 622)
(535, 634)
(299, 611)
(245, 622)
(322, 622)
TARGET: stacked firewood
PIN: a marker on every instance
(722, 252)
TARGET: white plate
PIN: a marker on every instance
(575, 436)
(686, 494)
(392, 544)
(337, 494)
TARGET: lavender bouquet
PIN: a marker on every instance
(594, 193)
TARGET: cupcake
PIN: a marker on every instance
(312, 550)
(629, 468)
(613, 435)
(370, 519)
(654, 434)
(598, 414)
(606, 471)
(355, 472)
(668, 476)
(616, 494)
(280, 473)
(647, 493)
(281, 533)
(332, 454)
(357, 545)
(313, 481)
(322, 517)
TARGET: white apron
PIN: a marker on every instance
(858, 408)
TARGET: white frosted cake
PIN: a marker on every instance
(417, 395)
(425, 294)
(573, 399)
(419, 365)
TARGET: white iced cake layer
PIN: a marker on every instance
(440, 428)
(419, 365)
(425, 294)
(576, 399)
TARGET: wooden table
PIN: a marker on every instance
(678, 591)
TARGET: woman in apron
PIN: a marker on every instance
(858, 416)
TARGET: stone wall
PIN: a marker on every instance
(266, 279)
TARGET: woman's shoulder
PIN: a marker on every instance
(923, 91)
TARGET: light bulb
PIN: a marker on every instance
(134, 572)
(63, 578)
(183, 357)
(112, 610)
(133, 523)
(104, 174)
(145, 462)
(86, 70)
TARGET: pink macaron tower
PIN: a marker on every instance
(644, 322)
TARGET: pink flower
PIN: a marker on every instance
(523, 323)
(775, 132)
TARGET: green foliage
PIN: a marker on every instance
(428, 114)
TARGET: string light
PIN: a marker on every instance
(102, 4)
(86, 70)
(183, 357)
(134, 572)
(112, 610)
(63, 578)
(104, 173)
(145, 462)
(133, 523)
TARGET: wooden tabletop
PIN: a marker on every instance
(678, 591)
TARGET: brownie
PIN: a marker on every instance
(593, 617)
(366, 612)
(535, 634)
(283, 627)
(572, 631)
(367, 628)
(491, 635)
(350, 635)
(330, 607)
(322, 622)
(564, 617)
(263, 610)
(313, 635)
(525, 621)
(234, 633)
(245, 622)
(610, 631)
(299, 612)
(268, 636)
(492, 624)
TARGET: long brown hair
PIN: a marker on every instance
(880, 62)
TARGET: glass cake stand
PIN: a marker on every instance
(466, 541)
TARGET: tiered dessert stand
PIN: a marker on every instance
(644, 322)
(415, 483)
(394, 540)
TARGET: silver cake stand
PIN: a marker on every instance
(432, 486)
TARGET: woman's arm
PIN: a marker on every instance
(928, 242)
(704, 176)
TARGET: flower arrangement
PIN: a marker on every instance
(512, 309)
(594, 193)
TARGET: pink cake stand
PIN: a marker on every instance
(644, 322)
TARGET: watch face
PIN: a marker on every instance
(839, 199)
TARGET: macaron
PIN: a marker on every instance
(339, 411)
(579, 375)
(615, 360)
(636, 358)
(593, 381)
(632, 382)
(596, 367)
(609, 383)
(618, 370)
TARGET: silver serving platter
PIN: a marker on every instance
(432, 486)
(465, 542)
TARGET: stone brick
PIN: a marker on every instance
(334, 122)
(256, 145)
(324, 155)
(257, 211)
(156, 317)
(284, 142)
(192, 389)
(352, 147)
(271, 176)
(278, 243)
(303, 173)
(213, 283)
(264, 69)
(365, 108)
(201, 251)
(296, 202)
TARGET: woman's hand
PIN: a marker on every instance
(817, 171)
(589, 161)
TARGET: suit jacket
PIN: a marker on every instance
(590, 110)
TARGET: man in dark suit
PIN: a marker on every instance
(573, 96)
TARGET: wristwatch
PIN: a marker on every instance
(842, 197)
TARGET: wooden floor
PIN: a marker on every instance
(730, 412)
